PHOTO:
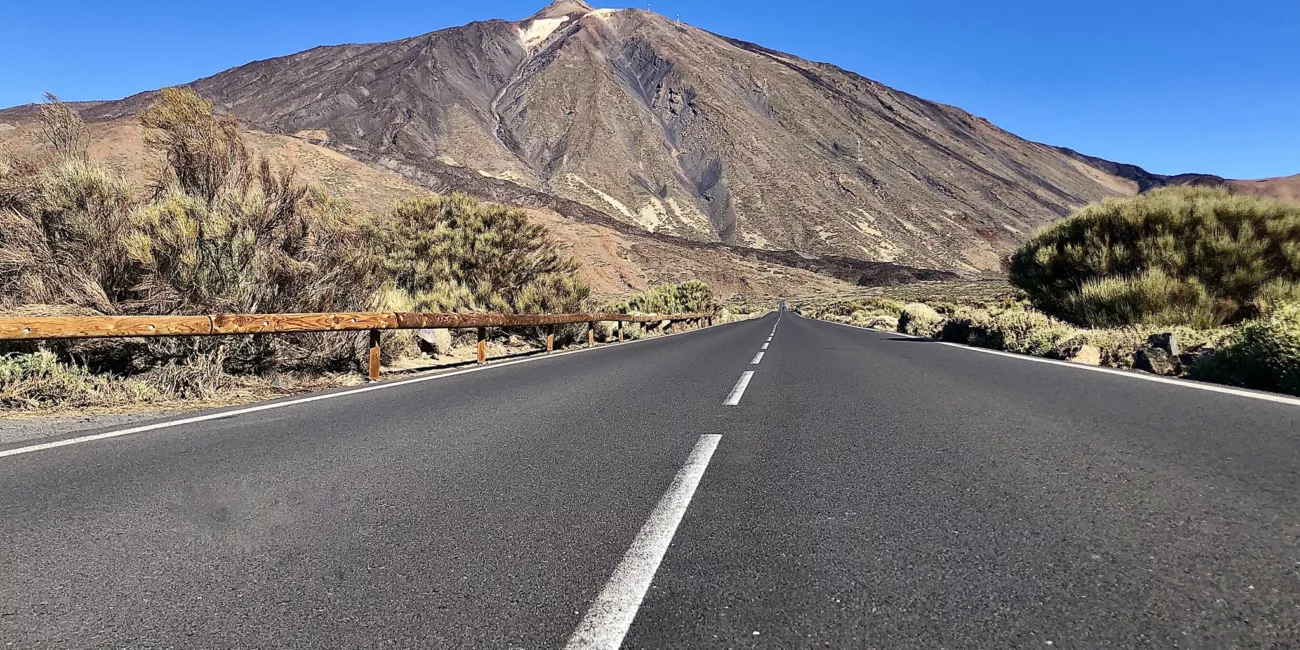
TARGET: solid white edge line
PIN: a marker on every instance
(766, 344)
(1213, 388)
(733, 398)
(316, 398)
(757, 359)
(610, 616)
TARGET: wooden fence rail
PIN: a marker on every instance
(90, 327)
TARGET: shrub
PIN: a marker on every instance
(686, 297)
(63, 128)
(454, 253)
(1014, 330)
(1263, 354)
(202, 152)
(692, 296)
(1231, 245)
(885, 323)
(200, 377)
(969, 325)
(919, 319)
(61, 240)
(228, 236)
(1152, 298)
(1028, 332)
(1275, 293)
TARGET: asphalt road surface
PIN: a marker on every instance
(857, 490)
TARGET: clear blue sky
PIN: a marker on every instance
(1171, 85)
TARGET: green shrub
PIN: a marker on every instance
(1263, 354)
(1028, 332)
(1152, 298)
(456, 254)
(880, 307)
(692, 296)
(919, 319)
(1014, 330)
(970, 326)
(1231, 245)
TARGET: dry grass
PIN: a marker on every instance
(43, 383)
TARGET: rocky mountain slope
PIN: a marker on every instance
(653, 127)
(674, 130)
(616, 258)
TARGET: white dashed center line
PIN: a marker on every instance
(736, 393)
(757, 359)
(609, 618)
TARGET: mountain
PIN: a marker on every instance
(660, 128)
(1283, 187)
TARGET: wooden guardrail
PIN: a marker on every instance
(92, 327)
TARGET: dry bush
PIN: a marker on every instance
(223, 234)
(1275, 294)
(63, 128)
(201, 152)
(1229, 245)
(881, 322)
(61, 238)
(919, 319)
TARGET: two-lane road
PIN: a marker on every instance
(757, 484)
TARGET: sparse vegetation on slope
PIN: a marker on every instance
(222, 231)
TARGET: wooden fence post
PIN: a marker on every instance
(482, 345)
(620, 331)
(550, 338)
(374, 355)
(591, 335)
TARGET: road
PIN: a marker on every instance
(864, 490)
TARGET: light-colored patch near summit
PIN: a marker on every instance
(652, 215)
(611, 201)
(1121, 186)
(539, 30)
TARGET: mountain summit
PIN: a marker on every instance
(675, 130)
(562, 9)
